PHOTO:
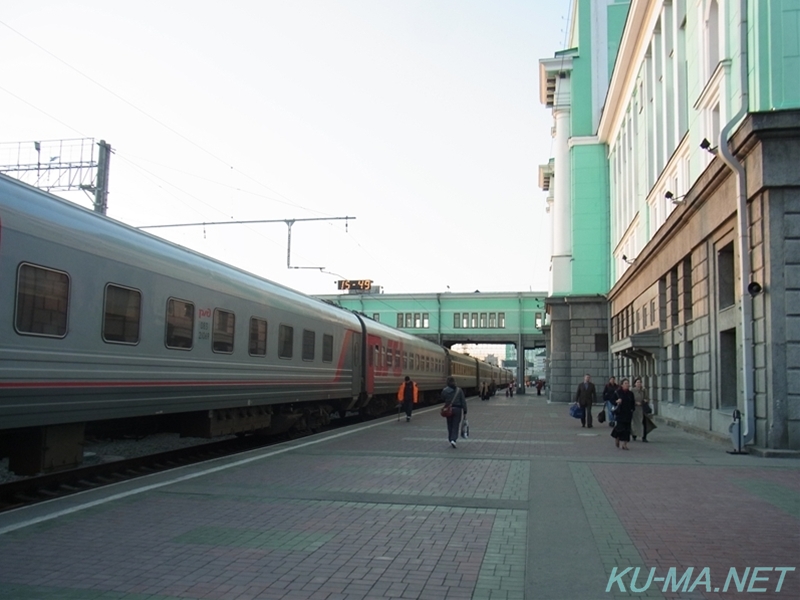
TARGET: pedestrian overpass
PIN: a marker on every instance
(514, 318)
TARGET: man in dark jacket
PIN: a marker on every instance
(585, 395)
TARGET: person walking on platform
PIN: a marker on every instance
(638, 425)
(623, 415)
(585, 396)
(408, 396)
(484, 391)
(454, 397)
(610, 399)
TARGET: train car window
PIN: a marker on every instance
(309, 344)
(285, 341)
(42, 301)
(400, 320)
(388, 357)
(456, 320)
(258, 337)
(180, 324)
(327, 348)
(376, 355)
(222, 333)
(122, 314)
(405, 359)
(397, 358)
(416, 362)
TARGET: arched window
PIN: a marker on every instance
(712, 37)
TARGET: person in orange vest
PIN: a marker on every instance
(408, 394)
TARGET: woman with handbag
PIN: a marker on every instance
(455, 404)
(623, 414)
(638, 426)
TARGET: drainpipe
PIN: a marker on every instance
(743, 240)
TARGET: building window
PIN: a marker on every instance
(123, 311)
(482, 323)
(426, 321)
(726, 282)
(257, 345)
(376, 317)
(42, 299)
(417, 321)
(457, 321)
(474, 320)
(180, 324)
(285, 341)
(222, 333)
(501, 320)
(465, 320)
(492, 320)
(601, 342)
(409, 321)
(400, 321)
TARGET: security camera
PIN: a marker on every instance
(669, 195)
(625, 258)
(754, 288)
(705, 144)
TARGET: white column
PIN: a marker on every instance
(561, 276)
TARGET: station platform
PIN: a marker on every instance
(531, 506)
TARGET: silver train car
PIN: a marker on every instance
(100, 321)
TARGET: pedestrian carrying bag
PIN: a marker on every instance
(464, 428)
(648, 410)
(447, 410)
(576, 411)
(601, 418)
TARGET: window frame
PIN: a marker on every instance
(214, 330)
(250, 336)
(167, 324)
(282, 329)
(105, 315)
(17, 301)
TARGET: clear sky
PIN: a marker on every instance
(421, 119)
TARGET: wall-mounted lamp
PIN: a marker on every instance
(706, 145)
(674, 199)
(627, 260)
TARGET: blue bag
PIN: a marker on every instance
(576, 411)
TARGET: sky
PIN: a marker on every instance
(420, 120)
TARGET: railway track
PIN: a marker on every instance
(24, 492)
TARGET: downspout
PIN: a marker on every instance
(743, 239)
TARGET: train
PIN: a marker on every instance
(103, 322)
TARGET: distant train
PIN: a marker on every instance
(100, 321)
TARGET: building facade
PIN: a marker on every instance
(700, 129)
